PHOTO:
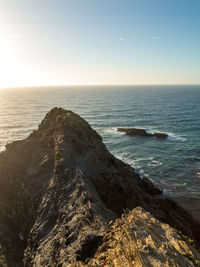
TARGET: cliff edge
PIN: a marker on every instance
(64, 201)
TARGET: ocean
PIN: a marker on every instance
(172, 164)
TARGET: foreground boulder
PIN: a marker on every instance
(142, 132)
(59, 190)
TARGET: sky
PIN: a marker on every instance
(69, 42)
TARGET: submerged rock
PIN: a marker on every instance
(60, 188)
(142, 132)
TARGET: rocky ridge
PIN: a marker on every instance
(60, 189)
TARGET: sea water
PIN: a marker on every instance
(173, 163)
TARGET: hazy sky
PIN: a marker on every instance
(99, 42)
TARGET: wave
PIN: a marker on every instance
(135, 163)
(174, 137)
(137, 169)
(155, 163)
(113, 131)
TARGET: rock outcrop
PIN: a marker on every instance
(59, 190)
(141, 132)
(138, 239)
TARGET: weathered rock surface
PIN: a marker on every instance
(142, 132)
(138, 239)
(60, 188)
(2, 258)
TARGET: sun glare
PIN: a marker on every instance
(13, 72)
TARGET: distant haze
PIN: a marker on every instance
(71, 42)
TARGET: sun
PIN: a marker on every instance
(12, 68)
(6, 62)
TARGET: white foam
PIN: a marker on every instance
(172, 137)
(113, 131)
(133, 164)
(155, 163)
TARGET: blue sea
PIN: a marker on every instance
(173, 164)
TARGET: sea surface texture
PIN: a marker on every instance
(173, 164)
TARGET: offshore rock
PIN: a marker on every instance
(59, 190)
(142, 132)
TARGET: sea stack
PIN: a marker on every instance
(66, 201)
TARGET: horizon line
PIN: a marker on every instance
(103, 84)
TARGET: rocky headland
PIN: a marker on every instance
(66, 201)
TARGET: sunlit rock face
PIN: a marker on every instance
(59, 190)
(138, 239)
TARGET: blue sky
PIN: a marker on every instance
(99, 42)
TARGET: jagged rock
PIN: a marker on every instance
(60, 188)
(138, 239)
(142, 132)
